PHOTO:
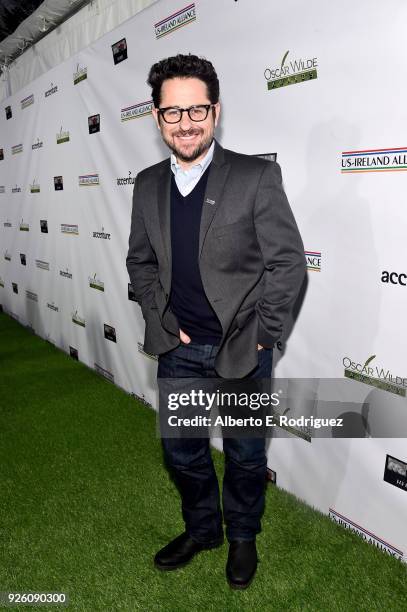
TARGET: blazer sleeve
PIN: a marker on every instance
(283, 254)
(141, 260)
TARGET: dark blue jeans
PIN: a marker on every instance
(189, 460)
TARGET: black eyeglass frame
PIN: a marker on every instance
(161, 111)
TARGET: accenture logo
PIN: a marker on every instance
(53, 89)
(126, 180)
(103, 235)
(175, 21)
(65, 273)
(394, 278)
(374, 160)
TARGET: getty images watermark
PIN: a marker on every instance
(253, 401)
(305, 408)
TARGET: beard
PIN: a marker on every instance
(193, 154)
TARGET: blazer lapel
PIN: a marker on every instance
(164, 209)
(218, 173)
(216, 180)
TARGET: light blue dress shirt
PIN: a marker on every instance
(187, 179)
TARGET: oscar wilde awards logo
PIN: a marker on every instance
(142, 109)
(395, 472)
(78, 320)
(89, 180)
(374, 376)
(96, 283)
(80, 74)
(94, 124)
(27, 101)
(313, 260)
(35, 187)
(175, 21)
(119, 50)
(291, 72)
(374, 160)
(9, 112)
(62, 136)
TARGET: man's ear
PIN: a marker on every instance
(156, 116)
(216, 112)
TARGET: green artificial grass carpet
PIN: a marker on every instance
(86, 502)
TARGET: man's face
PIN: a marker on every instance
(189, 140)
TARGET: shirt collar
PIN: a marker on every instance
(200, 166)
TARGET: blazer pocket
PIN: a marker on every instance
(222, 230)
(244, 315)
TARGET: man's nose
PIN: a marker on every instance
(185, 123)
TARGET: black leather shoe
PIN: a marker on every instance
(180, 551)
(242, 563)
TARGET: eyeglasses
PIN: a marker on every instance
(195, 113)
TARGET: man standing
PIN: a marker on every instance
(216, 262)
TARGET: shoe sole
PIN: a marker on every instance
(240, 587)
(169, 568)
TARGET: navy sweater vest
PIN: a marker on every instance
(188, 301)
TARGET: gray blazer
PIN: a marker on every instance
(251, 256)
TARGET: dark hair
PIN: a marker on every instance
(183, 66)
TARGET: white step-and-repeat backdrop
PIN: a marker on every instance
(318, 84)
